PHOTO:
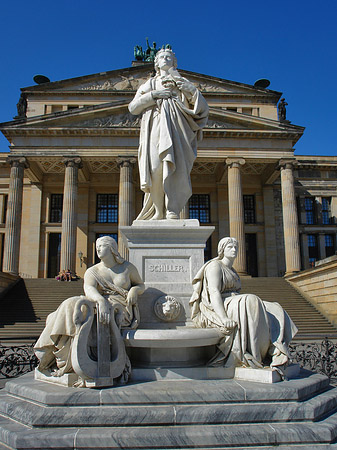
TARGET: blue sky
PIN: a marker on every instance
(292, 43)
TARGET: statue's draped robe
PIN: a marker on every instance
(263, 330)
(55, 342)
(170, 129)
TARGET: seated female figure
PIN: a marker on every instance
(256, 333)
(111, 282)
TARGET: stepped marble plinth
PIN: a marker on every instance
(171, 414)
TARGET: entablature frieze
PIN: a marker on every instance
(130, 131)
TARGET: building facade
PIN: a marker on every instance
(71, 175)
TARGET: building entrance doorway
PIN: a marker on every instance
(54, 254)
(251, 255)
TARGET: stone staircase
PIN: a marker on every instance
(310, 322)
(26, 306)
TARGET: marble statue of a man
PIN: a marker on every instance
(173, 115)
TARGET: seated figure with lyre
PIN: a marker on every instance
(74, 343)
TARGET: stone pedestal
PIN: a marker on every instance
(167, 254)
(170, 414)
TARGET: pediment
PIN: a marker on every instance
(115, 115)
(221, 119)
(129, 79)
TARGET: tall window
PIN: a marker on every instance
(4, 212)
(313, 249)
(107, 208)
(249, 208)
(199, 208)
(310, 216)
(326, 210)
(329, 245)
(56, 204)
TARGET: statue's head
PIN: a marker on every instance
(224, 242)
(109, 242)
(159, 55)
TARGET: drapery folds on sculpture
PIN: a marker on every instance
(69, 214)
(256, 333)
(72, 342)
(14, 214)
(173, 115)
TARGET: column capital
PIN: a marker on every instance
(18, 161)
(126, 161)
(74, 161)
(287, 164)
(235, 162)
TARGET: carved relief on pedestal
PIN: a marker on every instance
(167, 308)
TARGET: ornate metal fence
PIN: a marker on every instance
(16, 360)
(318, 357)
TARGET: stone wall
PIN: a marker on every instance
(6, 280)
(319, 286)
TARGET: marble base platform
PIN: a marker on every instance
(70, 379)
(183, 414)
(266, 375)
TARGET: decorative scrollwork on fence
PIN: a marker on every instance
(318, 357)
(17, 360)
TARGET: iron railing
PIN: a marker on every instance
(317, 357)
(16, 360)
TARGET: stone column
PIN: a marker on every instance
(290, 220)
(236, 214)
(125, 199)
(14, 214)
(69, 214)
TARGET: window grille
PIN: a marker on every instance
(56, 205)
(107, 208)
(249, 208)
(199, 207)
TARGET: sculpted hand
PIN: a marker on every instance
(132, 297)
(186, 86)
(164, 93)
(104, 311)
(229, 324)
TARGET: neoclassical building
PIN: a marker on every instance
(71, 175)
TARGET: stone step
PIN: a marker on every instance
(299, 413)
(168, 414)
